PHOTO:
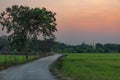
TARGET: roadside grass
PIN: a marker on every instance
(10, 60)
(90, 66)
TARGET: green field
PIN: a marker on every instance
(91, 66)
(10, 60)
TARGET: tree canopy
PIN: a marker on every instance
(24, 23)
(86, 48)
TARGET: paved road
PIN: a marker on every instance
(36, 70)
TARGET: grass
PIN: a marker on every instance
(91, 66)
(10, 60)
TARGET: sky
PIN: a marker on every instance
(79, 20)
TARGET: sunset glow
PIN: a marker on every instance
(80, 20)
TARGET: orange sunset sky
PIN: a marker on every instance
(80, 20)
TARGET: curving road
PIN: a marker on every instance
(36, 70)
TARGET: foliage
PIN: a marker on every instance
(10, 60)
(49, 45)
(4, 44)
(86, 48)
(41, 46)
(24, 23)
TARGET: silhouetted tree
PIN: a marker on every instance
(24, 23)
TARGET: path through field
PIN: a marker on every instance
(36, 70)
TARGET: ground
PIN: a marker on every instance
(36, 70)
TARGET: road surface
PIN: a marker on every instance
(36, 70)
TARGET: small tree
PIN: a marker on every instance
(24, 23)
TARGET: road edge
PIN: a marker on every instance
(55, 71)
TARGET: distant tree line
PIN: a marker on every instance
(48, 45)
(86, 48)
(34, 46)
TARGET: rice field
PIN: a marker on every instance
(91, 66)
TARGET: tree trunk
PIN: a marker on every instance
(26, 55)
(26, 50)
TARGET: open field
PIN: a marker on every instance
(91, 66)
(10, 60)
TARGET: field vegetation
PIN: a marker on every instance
(90, 66)
(10, 60)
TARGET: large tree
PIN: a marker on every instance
(23, 23)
